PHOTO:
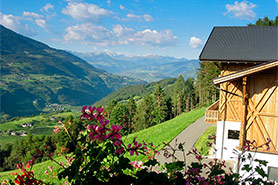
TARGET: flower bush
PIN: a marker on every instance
(101, 157)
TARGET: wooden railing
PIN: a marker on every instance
(211, 115)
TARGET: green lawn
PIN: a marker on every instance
(201, 143)
(158, 134)
(165, 132)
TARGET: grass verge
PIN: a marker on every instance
(201, 143)
(165, 132)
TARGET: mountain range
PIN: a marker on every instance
(33, 74)
(148, 68)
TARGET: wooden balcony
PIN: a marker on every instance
(211, 115)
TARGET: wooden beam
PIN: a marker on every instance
(245, 72)
(242, 138)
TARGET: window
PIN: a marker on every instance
(233, 134)
(272, 173)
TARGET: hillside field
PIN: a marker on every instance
(163, 132)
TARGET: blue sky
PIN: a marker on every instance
(176, 28)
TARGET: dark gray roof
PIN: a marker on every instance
(253, 43)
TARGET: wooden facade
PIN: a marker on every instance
(249, 95)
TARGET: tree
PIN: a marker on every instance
(189, 94)
(204, 86)
(178, 96)
(131, 105)
(144, 117)
(265, 22)
(160, 108)
(110, 108)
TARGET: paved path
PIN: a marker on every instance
(188, 136)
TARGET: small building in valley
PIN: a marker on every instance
(247, 109)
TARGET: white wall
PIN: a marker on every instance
(272, 160)
(229, 144)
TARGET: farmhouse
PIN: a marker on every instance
(247, 109)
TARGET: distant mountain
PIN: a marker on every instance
(33, 74)
(138, 91)
(148, 68)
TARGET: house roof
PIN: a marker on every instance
(241, 44)
(246, 72)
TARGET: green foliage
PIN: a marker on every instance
(204, 88)
(137, 91)
(144, 117)
(265, 22)
(178, 96)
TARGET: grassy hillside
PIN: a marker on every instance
(158, 134)
(138, 91)
(33, 74)
(41, 125)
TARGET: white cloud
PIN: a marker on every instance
(41, 23)
(145, 17)
(47, 7)
(14, 23)
(133, 16)
(119, 35)
(276, 1)
(195, 42)
(32, 14)
(122, 7)
(88, 33)
(242, 10)
(121, 31)
(146, 37)
(85, 11)
(154, 38)
(148, 18)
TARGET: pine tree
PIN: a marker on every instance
(144, 116)
(160, 108)
(204, 86)
(178, 96)
(131, 106)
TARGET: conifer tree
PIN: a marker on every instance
(131, 105)
(178, 96)
(160, 108)
(143, 116)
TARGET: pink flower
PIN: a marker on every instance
(87, 113)
(116, 132)
(136, 164)
(56, 129)
(50, 168)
